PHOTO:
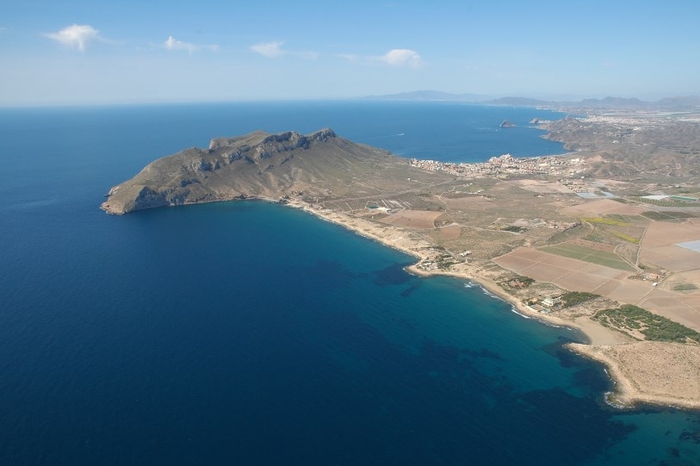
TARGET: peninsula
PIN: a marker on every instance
(604, 239)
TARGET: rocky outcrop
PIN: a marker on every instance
(257, 165)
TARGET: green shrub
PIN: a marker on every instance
(572, 298)
(654, 327)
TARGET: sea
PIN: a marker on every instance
(249, 333)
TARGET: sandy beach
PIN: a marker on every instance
(411, 243)
(644, 372)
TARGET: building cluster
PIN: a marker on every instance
(636, 122)
(506, 165)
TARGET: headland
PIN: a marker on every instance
(600, 239)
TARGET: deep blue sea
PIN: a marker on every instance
(248, 333)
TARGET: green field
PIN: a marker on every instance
(667, 216)
(666, 203)
(685, 287)
(610, 220)
(628, 238)
(582, 253)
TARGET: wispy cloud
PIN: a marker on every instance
(178, 45)
(273, 49)
(394, 57)
(349, 56)
(268, 49)
(76, 36)
(402, 57)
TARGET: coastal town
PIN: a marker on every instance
(506, 165)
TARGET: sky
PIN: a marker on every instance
(77, 52)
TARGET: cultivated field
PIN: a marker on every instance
(659, 245)
(603, 207)
(587, 254)
(573, 274)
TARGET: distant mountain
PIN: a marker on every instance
(613, 102)
(681, 103)
(689, 103)
(678, 102)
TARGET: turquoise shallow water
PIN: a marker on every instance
(250, 333)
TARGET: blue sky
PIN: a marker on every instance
(94, 52)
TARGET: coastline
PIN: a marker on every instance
(630, 362)
(649, 373)
(643, 372)
(594, 332)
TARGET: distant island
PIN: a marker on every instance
(604, 239)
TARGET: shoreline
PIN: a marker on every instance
(487, 284)
(626, 360)
(630, 390)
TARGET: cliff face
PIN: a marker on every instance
(257, 165)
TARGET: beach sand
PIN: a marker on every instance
(645, 372)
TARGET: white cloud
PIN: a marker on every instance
(394, 57)
(174, 44)
(76, 36)
(269, 49)
(274, 50)
(402, 57)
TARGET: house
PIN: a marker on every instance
(548, 302)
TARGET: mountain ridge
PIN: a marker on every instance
(263, 166)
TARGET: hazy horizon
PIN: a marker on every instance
(483, 100)
(90, 53)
